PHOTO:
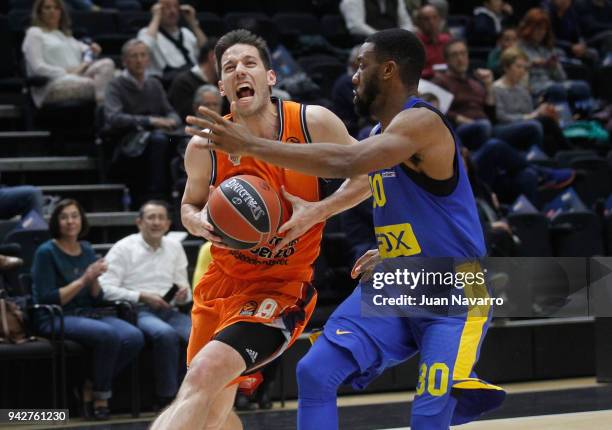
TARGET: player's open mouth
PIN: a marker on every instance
(245, 92)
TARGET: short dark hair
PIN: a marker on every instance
(403, 47)
(242, 36)
(208, 46)
(54, 227)
(453, 42)
(153, 203)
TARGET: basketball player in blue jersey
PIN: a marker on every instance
(423, 206)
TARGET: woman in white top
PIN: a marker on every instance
(51, 51)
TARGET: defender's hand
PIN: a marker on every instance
(305, 215)
(220, 133)
(365, 265)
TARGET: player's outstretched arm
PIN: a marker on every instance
(323, 126)
(408, 133)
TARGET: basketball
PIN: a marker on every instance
(244, 211)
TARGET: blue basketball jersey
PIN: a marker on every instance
(411, 220)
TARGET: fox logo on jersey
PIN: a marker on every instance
(396, 240)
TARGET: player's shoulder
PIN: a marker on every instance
(325, 126)
(420, 117)
(316, 114)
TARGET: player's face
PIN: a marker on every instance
(154, 223)
(365, 80)
(70, 222)
(245, 80)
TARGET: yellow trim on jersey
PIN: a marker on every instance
(397, 240)
(477, 316)
(475, 384)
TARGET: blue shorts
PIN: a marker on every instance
(448, 346)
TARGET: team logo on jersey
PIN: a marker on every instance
(292, 140)
(249, 308)
(235, 159)
(388, 174)
(397, 240)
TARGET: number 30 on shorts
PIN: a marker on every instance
(437, 372)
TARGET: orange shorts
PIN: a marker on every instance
(220, 301)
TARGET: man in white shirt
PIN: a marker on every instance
(365, 17)
(173, 48)
(142, 268)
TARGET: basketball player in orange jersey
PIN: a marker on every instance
(251, 305)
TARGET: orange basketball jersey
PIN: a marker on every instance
(293, 262)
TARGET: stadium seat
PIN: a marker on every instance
(93, 24)
(607, 222)
(212, 24)
(533, 231)
(565, 158)
(577, 234)
(324, 73)
(592, 179)
(132, 21)
(28, 240)
(241, 6)
(293, 6)
(13, 356)
(334, 30)
(297, 24)
(257, 23)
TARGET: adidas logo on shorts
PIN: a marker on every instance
(252, 354)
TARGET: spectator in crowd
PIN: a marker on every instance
(547, 77)
(473, 106)
(473, 103)
(513, 103)
(208, 96)
(65, 272)
(434, 40)
(568, 34)
(342, 95)
(20, 200)
(507, 38)
(142, 268)
(365, 17)
(50, 51)
(173, 48)
(488, 22)
(137, 111)
(187, 82)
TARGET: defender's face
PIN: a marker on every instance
(366, 80)
(245, 80)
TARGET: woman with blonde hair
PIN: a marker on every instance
(51, 51)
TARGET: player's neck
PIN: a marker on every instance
(393, 105)
(264, 123)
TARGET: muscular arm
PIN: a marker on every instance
(324, 126)
(408, 133)
(198, 165)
